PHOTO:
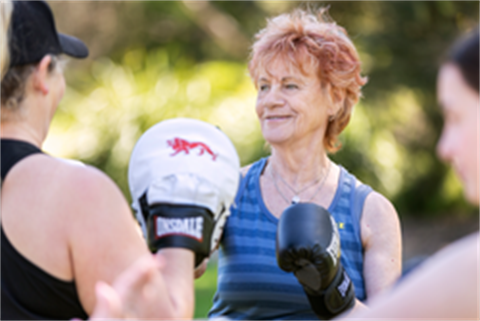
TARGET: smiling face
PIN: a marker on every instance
(459, 141)
(292, 106)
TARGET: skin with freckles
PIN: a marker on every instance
(291, 106)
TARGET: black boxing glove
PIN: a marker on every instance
(308, 244)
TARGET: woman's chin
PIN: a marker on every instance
(275, 135)
(275, 140)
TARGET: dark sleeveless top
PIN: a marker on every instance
(28, 292)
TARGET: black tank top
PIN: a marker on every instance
(28, 292)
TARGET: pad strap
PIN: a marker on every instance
(181, 226)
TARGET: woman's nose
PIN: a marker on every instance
(274, 98)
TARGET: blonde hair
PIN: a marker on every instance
(5, 15)
(311, 41)
(14, 79)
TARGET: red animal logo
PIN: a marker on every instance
(182, 145)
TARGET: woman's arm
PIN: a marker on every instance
(132, 295)
(104, 242)
(444, 287)
(381, 238)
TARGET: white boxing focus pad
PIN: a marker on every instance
(177, 167)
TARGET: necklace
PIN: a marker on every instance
(296, 193)
(296, 197)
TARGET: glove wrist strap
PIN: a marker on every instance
(334, 300)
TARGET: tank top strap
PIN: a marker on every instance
(257, 169)
(250, 177)
(359, 195)
(347, 211)
(29, 292)
(355, 196)
(12, 152)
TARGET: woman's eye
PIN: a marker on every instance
(263, 87)
(291, 86)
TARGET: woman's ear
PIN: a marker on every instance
(336, 97)
(40, 75)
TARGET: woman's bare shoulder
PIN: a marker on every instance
(69, 180)
(378, 211)
(376, 203)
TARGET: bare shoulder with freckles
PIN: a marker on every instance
(381, 238)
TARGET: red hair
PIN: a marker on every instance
(314, 42)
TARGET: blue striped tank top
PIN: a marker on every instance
(251, 286)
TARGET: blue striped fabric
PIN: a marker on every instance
(251, 286)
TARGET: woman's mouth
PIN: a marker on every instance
(276, 118)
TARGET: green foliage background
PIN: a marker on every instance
(156, 60)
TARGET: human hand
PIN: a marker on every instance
(133, 294)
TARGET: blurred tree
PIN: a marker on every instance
(101, 122)
(159, 59)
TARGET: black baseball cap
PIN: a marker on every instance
(33, 35)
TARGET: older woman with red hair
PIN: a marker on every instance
(307, 73)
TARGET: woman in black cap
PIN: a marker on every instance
(65, 226)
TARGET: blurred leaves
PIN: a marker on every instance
(101, 123)
(155, 60)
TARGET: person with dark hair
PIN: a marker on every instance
(66, 230)
(446, 286)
